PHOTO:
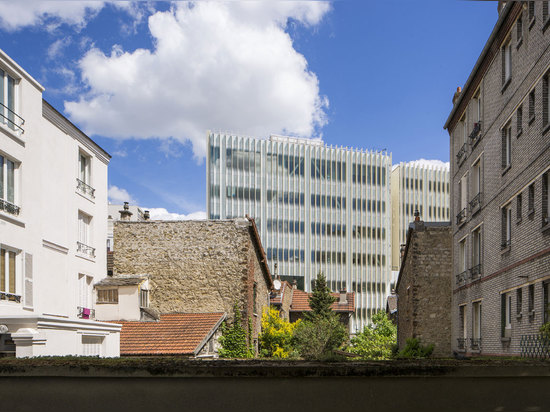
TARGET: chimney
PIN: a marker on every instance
(416, 216)
(125, 214)
(146, 215)
(294, 284)
(343, 297)
(457, 94)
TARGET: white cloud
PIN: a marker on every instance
(56, 48)
(431, 164)
(119, 196)
(163, 214)
(215, 65)
(21, 13)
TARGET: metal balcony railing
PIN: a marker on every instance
(9, 207)
(12, 297)
(461, 155)
(475, 203)
(462, 276)
(475, 344)
(475, 272)
(475, 135)
(85, 313)
(85, 249)
(535, 346)
(85, 188)
(461, 343)
(461, 217)
(11, 119)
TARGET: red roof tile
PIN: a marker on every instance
(173, 334)
(300, 302)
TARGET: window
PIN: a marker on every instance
(519, 301)
(107, 296)
(476, 326)
(84, 235)
(531, 206)
(92, 345)
(478, 107)
(531, 106)
(476, 179)
(7, 186)
(531, 12)
(506, 62)
(545, 197)
(462, 325)
(84, 175)
(519, 121)
(545, 301)
(7, 103)
(462, 265)
(9, 289)
(506, 315)
(519, 207)
(144, 298)
(506, 231)
(84, 294)
(545, 100)
(531, 300)
(476, 251)
(544, 11)
(506, 147)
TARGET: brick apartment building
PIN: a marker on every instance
(500, 175)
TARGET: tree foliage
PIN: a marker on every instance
(376, 340)
(414, 349)
(321, 332)
(276, 339)
(234, 339)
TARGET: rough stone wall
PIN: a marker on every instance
(194, 266)
(424, 291)
(527, 260)
(287, 301)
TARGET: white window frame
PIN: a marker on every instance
(85, 290)
(5, 288)
(507, 60)
(476, 319)
(84, 167)
(4, 161)
(6, 117)
(107, 295)
(476, 177)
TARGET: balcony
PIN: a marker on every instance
(85, 188)
(11, 297)
(85, 249)
(461, 344)
(475, 136)
(476, 271)
(461, 217)
(11, 119)
(475, 344)
(461, 155)
(8, 207)
(462, 276)
(85, 313)
(475, 203)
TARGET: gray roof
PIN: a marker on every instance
(122, 280)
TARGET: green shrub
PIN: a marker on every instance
(377, 339)
(413, 349)
(234, 338)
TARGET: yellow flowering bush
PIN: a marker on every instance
(276, 339)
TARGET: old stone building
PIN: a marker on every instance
(500, 176)
(197, 266)
(424, 287)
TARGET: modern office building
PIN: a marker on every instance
(499, 131)
(318, 208)
(421, 185)
(53, 226)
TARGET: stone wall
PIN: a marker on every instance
(424, 289)
(195, 266)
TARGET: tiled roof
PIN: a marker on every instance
(300, 302)
(122, 280)
(278, 298)
(173, 334)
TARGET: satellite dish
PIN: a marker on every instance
(277, 284)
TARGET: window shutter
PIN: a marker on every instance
(28, 297)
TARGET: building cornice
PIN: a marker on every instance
(491, 49)
(60, 121)
(13, 66)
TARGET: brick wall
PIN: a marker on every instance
(195, 266)
(424, 289)
(524, 263)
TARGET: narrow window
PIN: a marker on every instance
(506, 62)
(531, 106)
(519, 30)
(519, 301)
(531, 7)
(531, 299)
(519, 121)
(506, 228)
(531, 206)
(519, 207)
(545, 100)
(545, 197)
(506, 146)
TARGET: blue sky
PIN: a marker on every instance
(146, 80)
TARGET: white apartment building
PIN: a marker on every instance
(53, 226)
(318, 208)
(421, 186)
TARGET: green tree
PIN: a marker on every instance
(276, 339)
(321, 332)
(234, 340)
(376, 340)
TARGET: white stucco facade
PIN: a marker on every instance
(53, 226)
